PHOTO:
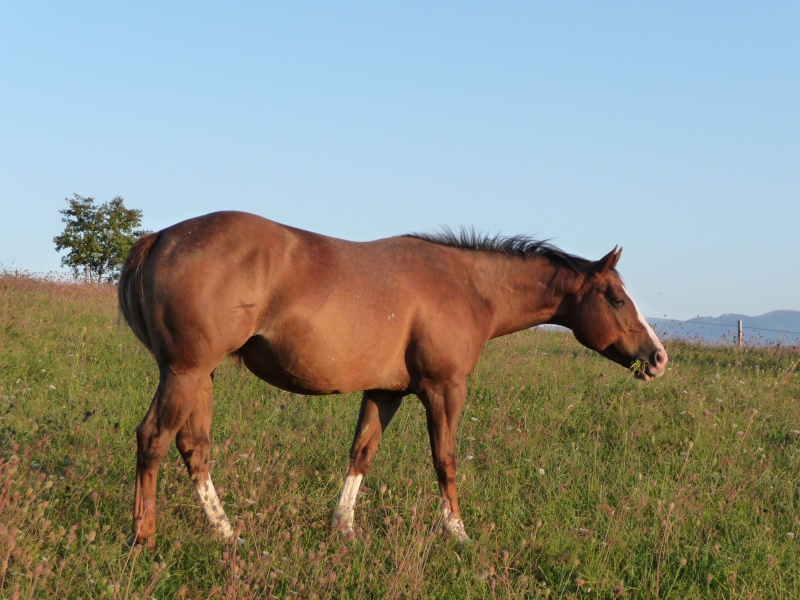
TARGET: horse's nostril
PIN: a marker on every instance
(660, 358)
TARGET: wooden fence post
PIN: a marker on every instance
(740, 338)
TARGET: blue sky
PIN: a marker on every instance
(671, 129)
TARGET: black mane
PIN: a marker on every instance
(516, 245)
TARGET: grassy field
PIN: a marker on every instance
(575, 480)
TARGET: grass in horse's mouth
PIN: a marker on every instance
(638, 367)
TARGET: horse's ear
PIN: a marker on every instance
(609, 261)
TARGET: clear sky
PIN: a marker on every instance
(672, 129)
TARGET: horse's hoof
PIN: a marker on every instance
(463, 539)
(134, 541)
(459, 537)
(345, 530)
(454, 528)
(344, 524)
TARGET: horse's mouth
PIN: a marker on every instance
(641, 369)
(644, 371)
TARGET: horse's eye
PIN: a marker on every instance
(617, 302)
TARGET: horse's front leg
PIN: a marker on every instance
(377, 409)
(443, 405)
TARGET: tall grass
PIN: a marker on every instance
(575, 480)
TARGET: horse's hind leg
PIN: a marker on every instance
(193, 442)
(175, 399)
(377, 409)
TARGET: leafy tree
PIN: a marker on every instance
(97, 237)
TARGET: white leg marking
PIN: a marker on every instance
(453, 525)
(213, 508)
(344, 515)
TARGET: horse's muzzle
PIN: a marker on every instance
(655, 367)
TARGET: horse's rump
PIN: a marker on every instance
(131, 287)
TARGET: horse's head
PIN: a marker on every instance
(603, 317)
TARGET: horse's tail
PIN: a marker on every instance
(130, 289)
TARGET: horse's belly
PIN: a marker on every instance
(309, 366)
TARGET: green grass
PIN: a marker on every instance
(575, 480)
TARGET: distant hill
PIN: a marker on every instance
(777, 327)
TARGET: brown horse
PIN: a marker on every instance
(317, 315)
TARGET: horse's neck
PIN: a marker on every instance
(523, 292)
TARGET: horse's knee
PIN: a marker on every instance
(143, 433)
(195, 453)
(445, 467)
(189, 444)
(184, 445)
(151, 447)
(363, 452)
(362, 460)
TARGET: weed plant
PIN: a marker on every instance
(576, 481)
